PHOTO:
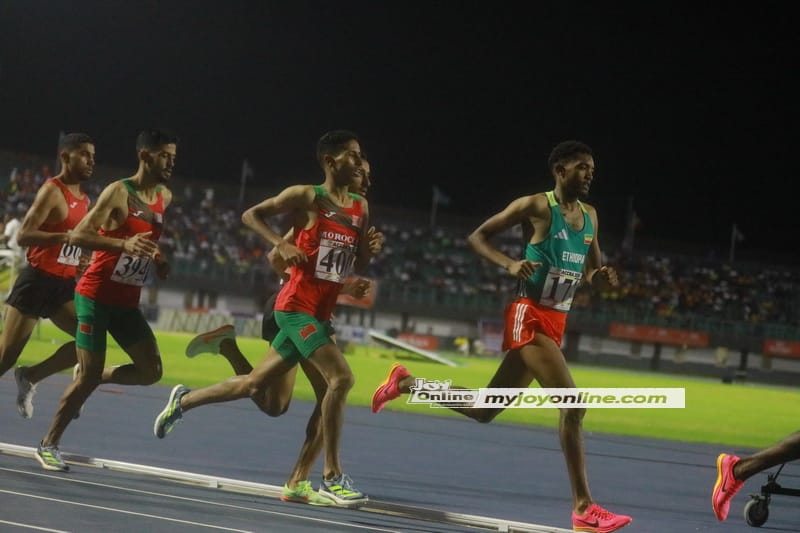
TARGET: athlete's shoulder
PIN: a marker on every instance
(532, 202)
(166, 195)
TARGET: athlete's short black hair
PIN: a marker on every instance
(333, 142)
(153, 138)
(72, 141)
(567, 151)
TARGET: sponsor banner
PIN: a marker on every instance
(424, 342)
(782, 348)
(656, 334)
(364, 303)
(437, 393)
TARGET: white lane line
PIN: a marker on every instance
(198, 500)
(122, 511)
(30, 526)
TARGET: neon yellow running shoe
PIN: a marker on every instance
(305, 493)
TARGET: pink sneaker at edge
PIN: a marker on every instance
(725, 487)
(389, 389)
(598, 520)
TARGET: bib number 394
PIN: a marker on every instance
(131, 270)
(69, 254)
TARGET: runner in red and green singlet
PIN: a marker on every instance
(122, 229)
(328, 223)
(46, 286)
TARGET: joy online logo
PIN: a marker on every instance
(438, 393)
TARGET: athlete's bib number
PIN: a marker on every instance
(559, 288)
(131, 270)
(334, 261)
(69, 254)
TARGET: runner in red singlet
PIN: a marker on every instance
(45, 288)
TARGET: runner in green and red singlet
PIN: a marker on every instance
(562, 251)
(122, 229)
(329, 224)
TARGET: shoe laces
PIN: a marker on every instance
(599, 512)
(343, 480)
(304, 488)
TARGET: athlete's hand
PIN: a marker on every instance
(162, 266)
(605, 278)
(357, 288)
(376, 240)
(140, 245)
(290, 253)
(278, 264)
(83, 263)
(523, 269)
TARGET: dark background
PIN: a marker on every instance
(690, 108)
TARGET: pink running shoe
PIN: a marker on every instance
(389, 389)
(598, 520)
(725, 487)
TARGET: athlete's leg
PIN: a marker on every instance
(313, 444)
(65, 356)
(783, 452)
(17, 328)
(230, 351)
(145, 368)
(545, 360)
(331, 364)
(133, 334)
(76, 394)
(270, 370)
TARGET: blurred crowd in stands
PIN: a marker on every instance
(204, 233)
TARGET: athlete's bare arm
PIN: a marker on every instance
(109, 213)
(49, 206)
(296, 197)
(364, 253)
(596, 274)
(519, 212)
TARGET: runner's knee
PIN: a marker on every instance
(573, 416)
(342, 382)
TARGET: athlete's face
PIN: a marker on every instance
(363, 181)
(576, 175)
(348, 165)
(160, 162)
(79, 162)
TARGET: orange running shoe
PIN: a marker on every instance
(725, 487)
(389, 389)
(598, 520)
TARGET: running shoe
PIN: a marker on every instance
(171, 414)
(209, 341)
(389, 389)
(304, 493)
(725, 487)
(50, 458)
(598, 520)
(340, 489)
(25, 392)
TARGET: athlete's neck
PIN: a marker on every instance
(564, 200)
(72, 183)
(145, 186)
(339, 194)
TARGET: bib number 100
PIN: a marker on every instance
(69, 254)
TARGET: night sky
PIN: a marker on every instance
(691, 108)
